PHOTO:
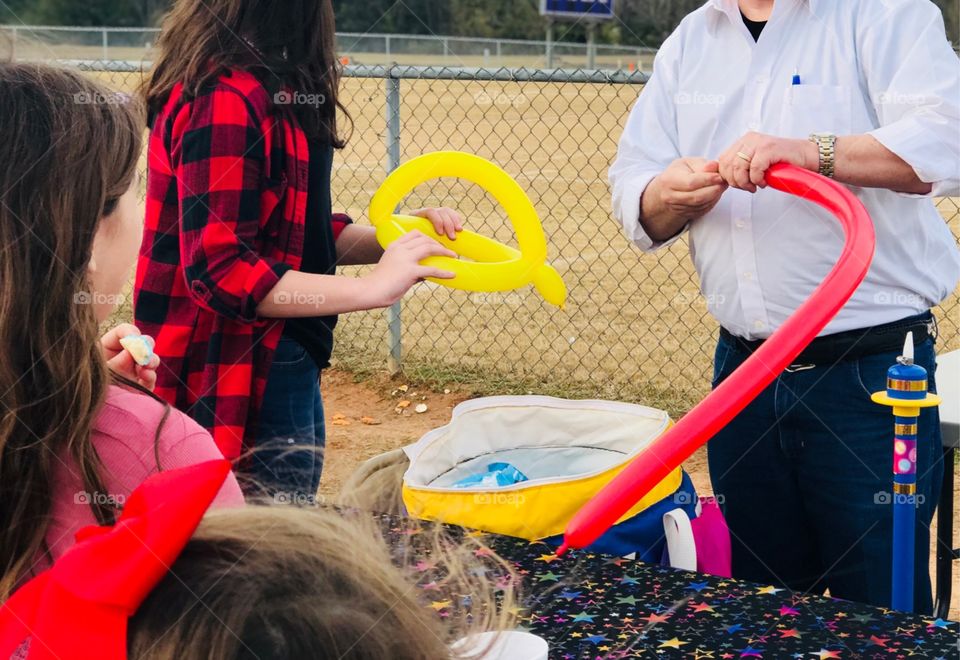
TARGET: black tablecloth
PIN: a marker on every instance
(598, 607)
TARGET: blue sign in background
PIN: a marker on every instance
(592, 8)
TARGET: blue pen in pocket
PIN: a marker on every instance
(796, 77)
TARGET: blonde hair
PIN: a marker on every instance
(290, 583)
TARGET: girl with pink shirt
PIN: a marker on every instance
(77, 433)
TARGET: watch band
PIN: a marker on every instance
(826, 144)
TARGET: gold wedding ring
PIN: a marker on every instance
(743, 156)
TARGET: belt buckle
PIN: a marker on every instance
(794, 368)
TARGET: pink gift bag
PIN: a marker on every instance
(701, 544)
(712, 538)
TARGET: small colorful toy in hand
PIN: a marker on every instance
(139, 348)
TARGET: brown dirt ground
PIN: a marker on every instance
(350, 441)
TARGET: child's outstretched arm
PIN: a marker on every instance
(300, 294)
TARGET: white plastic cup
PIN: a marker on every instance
(502, 645)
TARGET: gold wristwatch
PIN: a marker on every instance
(826, 144)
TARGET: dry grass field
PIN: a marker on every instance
(634, 327)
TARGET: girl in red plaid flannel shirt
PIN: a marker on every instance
(236, 280)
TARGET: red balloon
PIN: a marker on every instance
(667, 452)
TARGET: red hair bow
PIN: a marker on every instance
(78, 609)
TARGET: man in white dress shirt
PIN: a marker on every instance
(865, 91)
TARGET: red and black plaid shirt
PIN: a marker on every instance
(226, 206)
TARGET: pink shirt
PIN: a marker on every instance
(123, 435)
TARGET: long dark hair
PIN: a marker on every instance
(68, 151)
(288, 44)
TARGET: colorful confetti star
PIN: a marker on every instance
(862, 618)
(657, 618)
(674, 643)
(878, 641)
(768, 590)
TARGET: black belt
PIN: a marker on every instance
(852, 344)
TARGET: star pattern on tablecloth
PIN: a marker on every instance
(594, 607)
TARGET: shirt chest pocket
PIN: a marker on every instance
(816, 109)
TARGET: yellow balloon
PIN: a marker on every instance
(493, 266)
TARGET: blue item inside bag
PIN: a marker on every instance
(497, 475)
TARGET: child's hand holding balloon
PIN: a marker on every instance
(400, 268)
(445, 221)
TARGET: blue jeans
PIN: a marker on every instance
(805, 474)
(290, 436)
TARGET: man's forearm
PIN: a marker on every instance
(862, 161)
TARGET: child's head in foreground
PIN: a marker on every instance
(70, 230)
(263, 582)
(283, 583)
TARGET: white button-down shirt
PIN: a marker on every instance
(882, 67)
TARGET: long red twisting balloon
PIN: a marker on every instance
(700, 424)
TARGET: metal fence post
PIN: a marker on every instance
(393, 161)
(105, 45)
(549, 46)
(592, 45)
(386, 49)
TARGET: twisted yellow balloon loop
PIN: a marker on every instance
(493, 266)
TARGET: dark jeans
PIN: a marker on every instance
(805, 473)
(290, 437)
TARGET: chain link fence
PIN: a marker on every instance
(635, 327)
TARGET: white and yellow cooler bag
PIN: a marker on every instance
(523, 465)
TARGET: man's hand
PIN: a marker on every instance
(688, 189)
(744, 165)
